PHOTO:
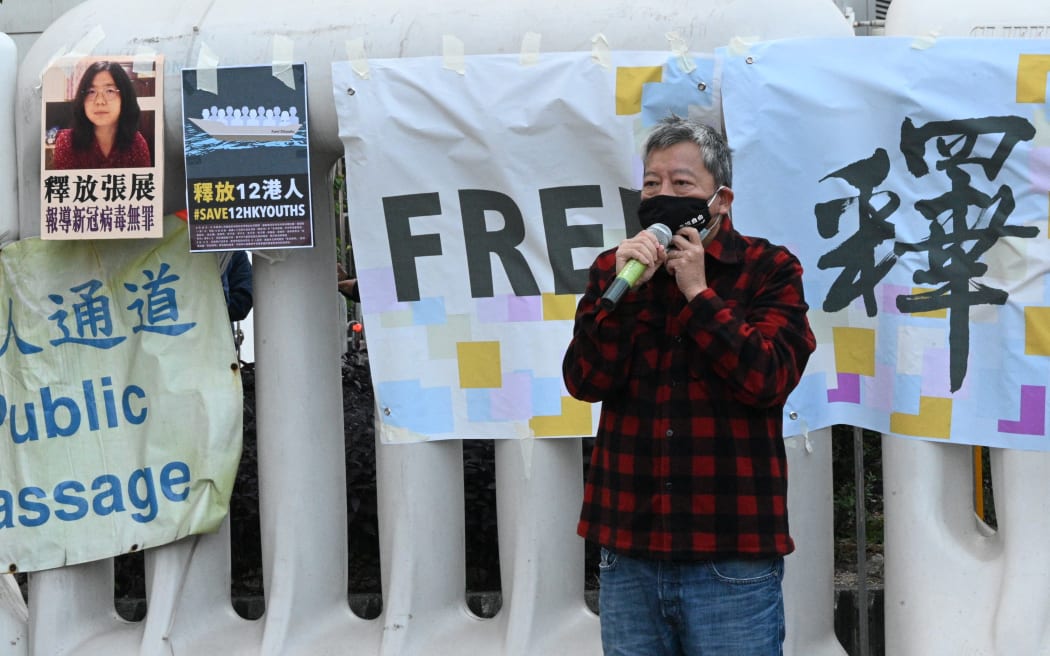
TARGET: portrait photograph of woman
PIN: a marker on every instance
(103, 118)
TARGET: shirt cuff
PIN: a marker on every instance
(703, 307)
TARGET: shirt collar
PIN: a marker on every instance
(727, 246)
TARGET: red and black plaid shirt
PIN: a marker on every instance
(689, 459)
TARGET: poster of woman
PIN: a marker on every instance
(102, 118)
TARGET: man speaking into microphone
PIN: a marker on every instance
(686, 493)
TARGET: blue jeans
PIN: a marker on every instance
(707, 608)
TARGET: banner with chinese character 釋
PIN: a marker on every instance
(912, 180)
(120, 398)
(479, 197)
(102, 148)
(477, 201)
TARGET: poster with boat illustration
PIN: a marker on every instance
(247, 157)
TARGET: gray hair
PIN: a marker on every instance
(714, 150)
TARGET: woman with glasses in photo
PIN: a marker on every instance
(105, 127)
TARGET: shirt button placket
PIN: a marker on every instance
(669, 433)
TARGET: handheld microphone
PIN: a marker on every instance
(632, 271)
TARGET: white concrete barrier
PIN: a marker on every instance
(9, 178)
(13, 611)
(14, 618)
(954, 586)
(299, 408)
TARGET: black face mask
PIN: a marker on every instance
(674, 212)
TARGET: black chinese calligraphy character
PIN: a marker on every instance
(142, 186)
(114, 187)
(856, 256)
(964, 221)
(85, 189)
(56, 188)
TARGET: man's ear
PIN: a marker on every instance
(727, 198)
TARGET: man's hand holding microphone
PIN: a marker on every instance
(637, 259)
(680, 247)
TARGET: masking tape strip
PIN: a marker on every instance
(453, 52)
(82, 48)
(530, 49)
(526, 444)
(60, 58)
(283, 53)
(924, 42)
(273, 256)
(207, 76)
(145, 61)
(355, 52)
(601, 53)
(805, 435)
(680, 49)
(61, 54)
(740, 45)
(222, 259)
(88, 42)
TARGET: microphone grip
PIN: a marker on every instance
(632, 271)
(614, 293)
(623, 281)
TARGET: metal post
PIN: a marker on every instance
(862, 541)
(978, 482)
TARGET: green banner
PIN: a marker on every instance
(120, 398)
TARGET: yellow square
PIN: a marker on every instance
(854, 350)
(629, 83)
(1031, 78)
(558, 307)
(931, 314)
(479, 365)
(1037, 331)
(933, 421)
(575, 420)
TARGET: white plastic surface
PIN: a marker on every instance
(8, 162)
(299, 407)
(952, 585)
(240, 31)
(14, 617)
(13, 612)
(24, 21)
(973, 18)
